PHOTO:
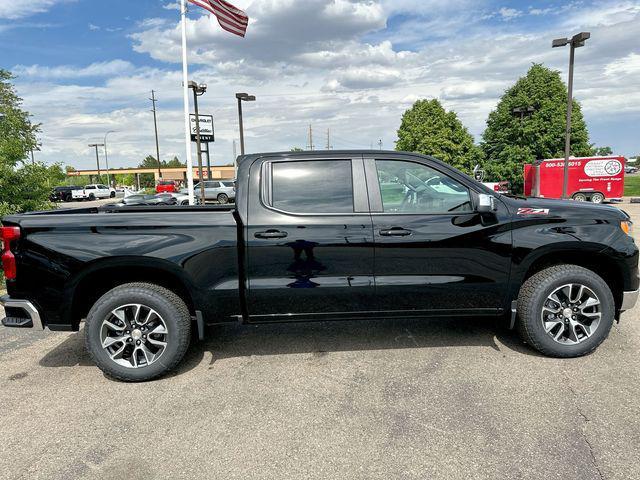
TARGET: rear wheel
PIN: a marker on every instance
(112, 195)
(597, 198)
(92, 197)
(138, 331)
(223, 198)
(565, 311)
(580, 197)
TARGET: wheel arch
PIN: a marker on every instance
(593, 259)
(100, 277)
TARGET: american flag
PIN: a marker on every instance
(230, 18)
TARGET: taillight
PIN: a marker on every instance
(9, 234)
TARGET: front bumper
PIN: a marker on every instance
(629, 300)
(20, 314)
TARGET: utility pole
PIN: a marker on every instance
(106, 156)
(328, 139)
(96, 145)
(310, 137)
(155, 126)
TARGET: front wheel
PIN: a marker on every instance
(112, 195)
(138, 331)
(223, 198)
(597, 198)
(565, 311)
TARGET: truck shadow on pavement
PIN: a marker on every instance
(321, 338)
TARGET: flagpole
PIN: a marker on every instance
(185, 85)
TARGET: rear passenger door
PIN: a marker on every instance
(309, 240)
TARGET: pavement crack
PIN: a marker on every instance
(586, 420)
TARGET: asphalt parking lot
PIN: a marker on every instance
(399, 399)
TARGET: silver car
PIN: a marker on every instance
(224, 191)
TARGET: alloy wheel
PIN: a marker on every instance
(134, 335)
(571, 314)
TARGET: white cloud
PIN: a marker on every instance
(509, 13)
(629, 65)
(15, 9)
(99, 69)
(331, 64)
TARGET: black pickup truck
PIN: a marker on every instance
(320, 236)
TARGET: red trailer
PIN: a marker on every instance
(590, 178)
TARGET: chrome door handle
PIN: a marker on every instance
(271, 234)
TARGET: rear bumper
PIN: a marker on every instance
(23, 314)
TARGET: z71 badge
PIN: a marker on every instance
(533, 211)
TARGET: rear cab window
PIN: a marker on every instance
(312, 186)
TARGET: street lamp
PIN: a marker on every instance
(198, 90)
(574, 42)
(96, 145)
(243, 97)
(106, 155)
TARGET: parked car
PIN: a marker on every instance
(630, 169)
(181, 198)
(68, 194)
(223, 191)
(166, 186)
(314, 236)
(98, 190)
(141, 199)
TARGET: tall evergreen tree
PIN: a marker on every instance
(429, 129)
(529, 124)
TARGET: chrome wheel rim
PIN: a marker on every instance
(134, 335)
(571, 314)
(597, 198)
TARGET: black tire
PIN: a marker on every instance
(185, 202)
(166, 303)
(597, 197)
(223, 199)
(92, 197)
(112, 195)
(532, 298)
(580, 197)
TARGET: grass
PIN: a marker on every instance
(632, 185)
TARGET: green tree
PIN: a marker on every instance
(429, 129)
(174, 163)
(23, 186)
(149, 162)
(529, 124)
(602, 151)
(296, 149)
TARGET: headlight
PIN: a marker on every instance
(627, 227)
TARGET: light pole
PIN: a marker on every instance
(243, 97)
(96, 145)
(106, 155)
(574, 42)
(198, 90)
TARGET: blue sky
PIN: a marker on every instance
(350, 66)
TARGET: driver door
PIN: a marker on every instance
(434, 255)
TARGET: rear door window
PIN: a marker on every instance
(313, 186)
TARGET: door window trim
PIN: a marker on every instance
(358, 183)
(375, 195)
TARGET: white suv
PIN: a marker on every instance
(98, 190)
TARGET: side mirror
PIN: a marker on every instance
(486, 203)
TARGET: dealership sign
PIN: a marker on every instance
(206, 128)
